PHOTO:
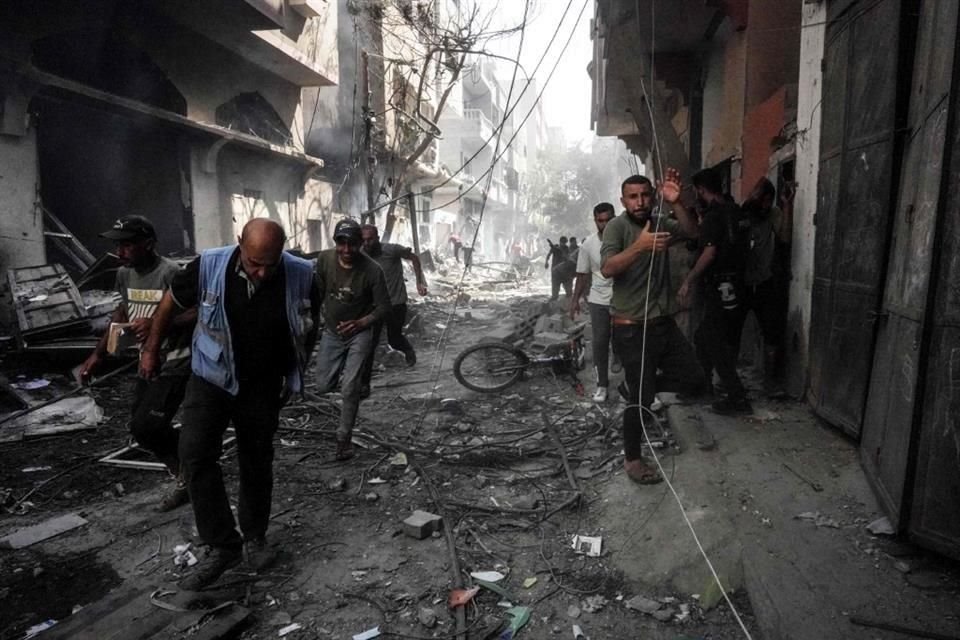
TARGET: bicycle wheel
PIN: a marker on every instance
(487, 368)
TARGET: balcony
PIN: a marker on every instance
(477, 126)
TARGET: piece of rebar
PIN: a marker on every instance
(572, 479)
(889, 626)
(67, 394)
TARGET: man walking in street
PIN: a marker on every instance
(556, 260)
(590, 278)
(257, 324)
(141, 283)
(723, 247)
(645, 335)
(354, 294)
(767, 276)
(390, 258)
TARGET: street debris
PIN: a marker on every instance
(593, 603)
(519, 616)
(529, 582)
(422, 524)
(881, 527)
(427, 617)
(183, 557)
(460, 597)
(588, 545)
(488, 576)
(818, 519)
(578, 633)
(44, 531)
(296, 626)
(368, 634)
(643, 605)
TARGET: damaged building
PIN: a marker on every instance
(188, 113)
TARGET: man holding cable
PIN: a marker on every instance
(645, 336)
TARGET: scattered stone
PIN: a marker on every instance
(643, 605)
(338, 485)
(573, 611)
(428, 617)
(371, 497)
(902, 566)
(422, 524)
(593, 604)
(881, 527)
(664, 615)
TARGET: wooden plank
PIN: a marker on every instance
(92, 612)
(39, 532)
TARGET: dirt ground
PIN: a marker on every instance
(486, 462)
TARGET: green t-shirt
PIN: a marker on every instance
(350, 294)
(630, 287)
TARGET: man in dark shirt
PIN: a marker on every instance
(141, 281)
(353, 291)
(559, 254)
(258, 311)
(390, 256)
(723, 247)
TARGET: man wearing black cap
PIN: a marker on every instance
(354, 292)
(141, 282)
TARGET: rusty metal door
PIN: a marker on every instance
(854, 201)
(891, 420)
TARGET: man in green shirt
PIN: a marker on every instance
(645, 336)
(354, 295)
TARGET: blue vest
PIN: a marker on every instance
(213, 358)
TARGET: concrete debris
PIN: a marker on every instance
(183, 557)
(422, 524)
(594, 603)
(573, 611)
(427, 617)
(881, 527)
(643, 605)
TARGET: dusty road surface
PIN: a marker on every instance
(515, 476)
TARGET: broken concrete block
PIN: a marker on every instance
(422, 524)
(500, 334)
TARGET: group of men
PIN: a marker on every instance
(742, 253)
(227, 339)
(564, 258)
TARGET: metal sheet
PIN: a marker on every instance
(853, 217)
(934, 516)
(890, 426)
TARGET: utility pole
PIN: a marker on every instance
(412, 216)
(369, 121)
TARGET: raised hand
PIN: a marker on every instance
(671, 186)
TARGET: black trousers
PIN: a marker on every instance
(394, 322)
(668, 364)
(718, 342)
(255, 413)
(155, 403)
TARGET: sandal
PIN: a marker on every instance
(640, 473)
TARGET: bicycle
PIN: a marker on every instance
(490, 367)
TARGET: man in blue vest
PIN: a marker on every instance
(257, 324)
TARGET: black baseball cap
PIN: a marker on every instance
(130, 228)
(347, 229)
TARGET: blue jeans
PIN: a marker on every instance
(342, 359)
